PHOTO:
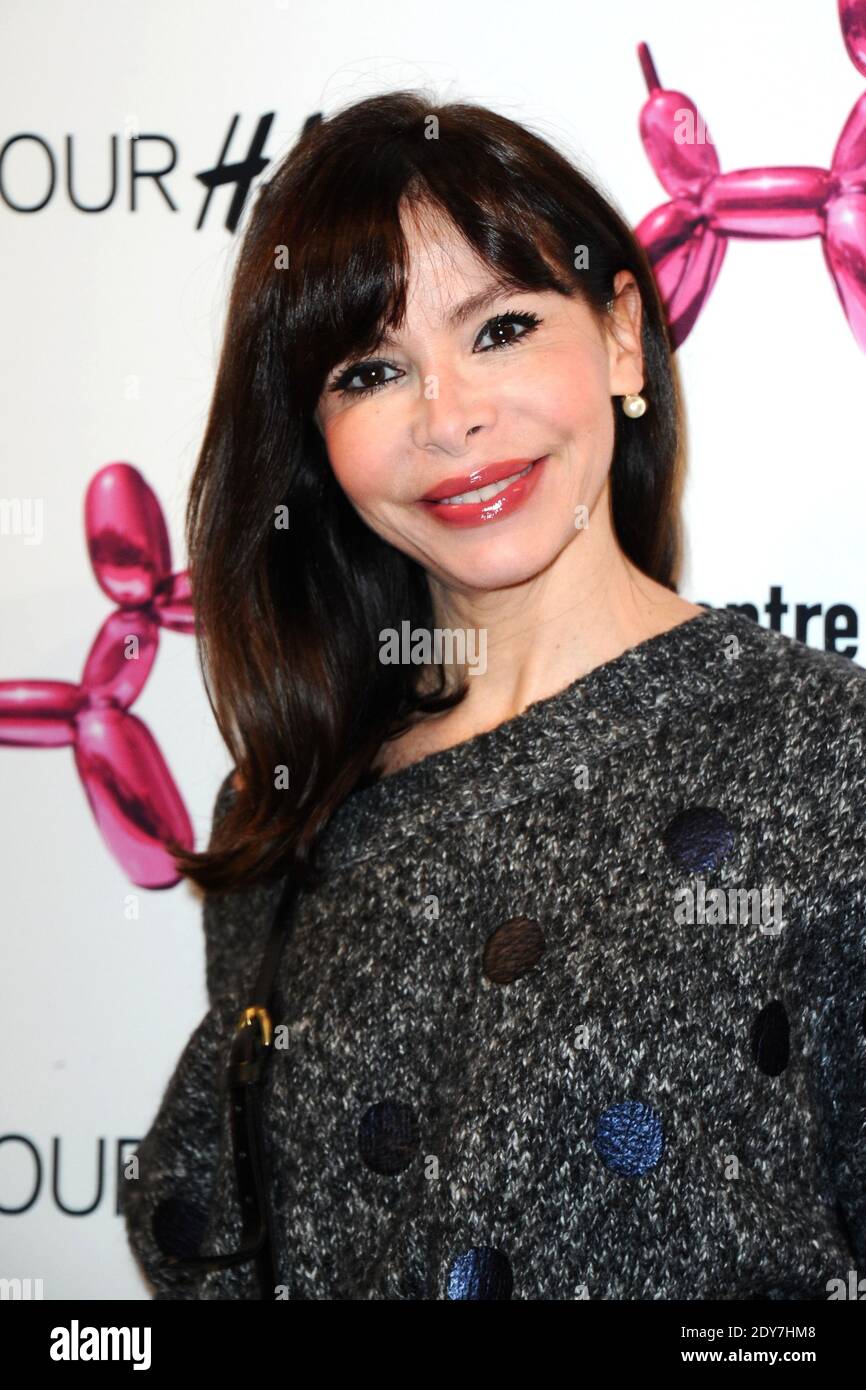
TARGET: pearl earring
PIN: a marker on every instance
(633, 406)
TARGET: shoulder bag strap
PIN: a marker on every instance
(250, 1050)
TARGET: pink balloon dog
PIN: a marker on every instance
(686, 239)
(130, 789)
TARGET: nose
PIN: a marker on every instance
(449, 411)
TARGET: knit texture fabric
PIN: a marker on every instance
(531, 1053)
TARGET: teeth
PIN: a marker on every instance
(483, 494)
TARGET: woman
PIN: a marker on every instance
(519, 1056)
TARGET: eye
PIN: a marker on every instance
(497, 326)
(529, 323)
(342, 387)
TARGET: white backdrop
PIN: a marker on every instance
(110, 329)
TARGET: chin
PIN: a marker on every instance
(496, 565)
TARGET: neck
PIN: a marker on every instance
(536, 637)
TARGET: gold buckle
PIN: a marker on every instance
(253, 1012)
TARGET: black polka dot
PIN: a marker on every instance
(480, 1273)
(698, 838)
(178, 1226)
(513, 950)
(388, 1136)
(770, 1039)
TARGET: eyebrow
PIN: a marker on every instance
(468, 308)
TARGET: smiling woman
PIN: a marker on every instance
(502, 1062)
(458, 304)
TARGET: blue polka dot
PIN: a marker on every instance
(629, 1137)
(480, 1273)
(699, 838)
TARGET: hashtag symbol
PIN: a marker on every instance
(240, 173)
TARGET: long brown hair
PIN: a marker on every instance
(289, 615)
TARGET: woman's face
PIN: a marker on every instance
(456, 395)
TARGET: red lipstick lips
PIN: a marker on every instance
(503, 503)
(482, 477)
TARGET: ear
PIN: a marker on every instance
(625, 355)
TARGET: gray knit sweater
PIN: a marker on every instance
(539, 1047)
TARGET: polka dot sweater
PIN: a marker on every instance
(577, 1012)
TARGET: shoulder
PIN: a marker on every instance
(790, 722)
(235, 921)
(821, 690)
(798, 743)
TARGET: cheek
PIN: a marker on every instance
(567, 391)
(357, 461)
(571, 404)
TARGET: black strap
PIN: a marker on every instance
(251, 1048)
(283, 916)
